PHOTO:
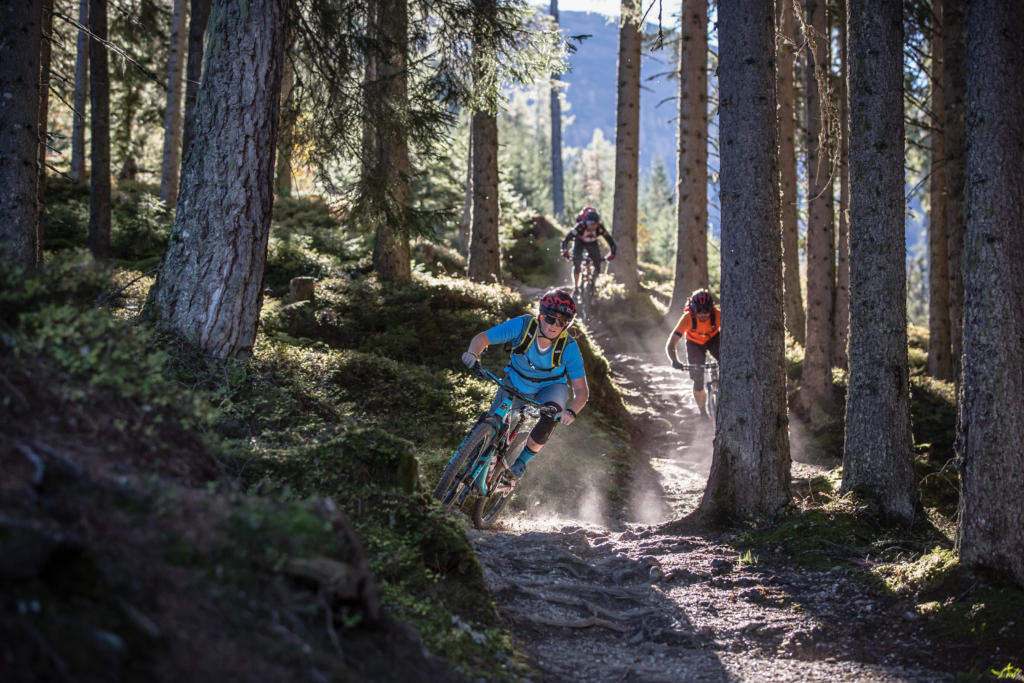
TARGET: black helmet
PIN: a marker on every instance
(701, 301)
(590, 215)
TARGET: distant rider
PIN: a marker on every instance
(545, 361)
(586, 231)
(701, 324)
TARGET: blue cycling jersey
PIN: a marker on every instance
(533, 364)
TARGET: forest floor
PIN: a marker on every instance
(640, 598)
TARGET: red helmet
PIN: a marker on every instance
(701, 301)
(558, 302)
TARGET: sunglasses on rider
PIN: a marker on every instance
(552, 320)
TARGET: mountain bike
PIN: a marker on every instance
(474, 475)
(711, 385)
(588, 280)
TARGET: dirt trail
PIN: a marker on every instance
(648, 604)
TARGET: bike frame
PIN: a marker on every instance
(710, 370)
(505, 434)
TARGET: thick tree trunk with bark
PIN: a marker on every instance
(81, 96)
(172, 112)
(391, 257)
(990, 435)
(750, 469)
(792, 297)
(209, 288)
(484, 251)
(877, 453)
(940, 363)
(841, 318)
(954, 89)
(198, 15)
(557, 174)
(627, 147)
(692, 190)
(99, 124)
(816, 381)
(19, 134)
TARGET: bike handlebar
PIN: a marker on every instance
(709, 366)
(484, 373)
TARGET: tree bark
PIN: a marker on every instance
(793, 298)
(990, 434)
(691, 270)
(627, 146)
(816, 381)
(877, 453)
(557, 173)
(750, 470)
(939, 361)
(198, 15)
(484, 251)
(172, 112)
(841, 319)
(45, 54)
(99, 122)
(285, 137)
(20, 25)
(81, 96)
(209, 287)
(954, 90)
(391, 257)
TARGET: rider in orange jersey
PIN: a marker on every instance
(701, 324)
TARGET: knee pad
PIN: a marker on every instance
(541, 431)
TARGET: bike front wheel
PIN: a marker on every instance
(489, 508)
(453, 478)
(713, 403)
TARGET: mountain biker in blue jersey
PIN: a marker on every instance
(544, 363)
(586, 231)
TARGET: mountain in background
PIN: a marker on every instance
(591, 85)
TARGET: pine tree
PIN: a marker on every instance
(990, 431)
(877, 451)
(99, 123)
(627, 146)
(750, 470)
(793, 298)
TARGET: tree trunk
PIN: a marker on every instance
(81, 96)
(815, 385)
(954, 90)
(750, 467)
(198, 15)
(466, 221)
(209, 287)
(19, 136)
(816, 381)
(990, 435)
(172, 113)
(877, 452)
(841, 319)
(692, 204)
(627, 147)
(99, 122)
(793, 298)
(391, 257)
(285, 144)
(45, 53)
(484, 252)
(939, 362)
(557, 174)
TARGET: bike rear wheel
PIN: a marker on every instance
(453, 478)
(713, 403)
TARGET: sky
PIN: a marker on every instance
(606, 7)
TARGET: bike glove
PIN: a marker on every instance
(565, 254)
(611, 256)
(677, 365)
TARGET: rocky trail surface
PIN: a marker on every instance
(643, 599)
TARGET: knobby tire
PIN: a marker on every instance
(478, 439)
(489, 508)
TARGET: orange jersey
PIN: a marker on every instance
(697, 331)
